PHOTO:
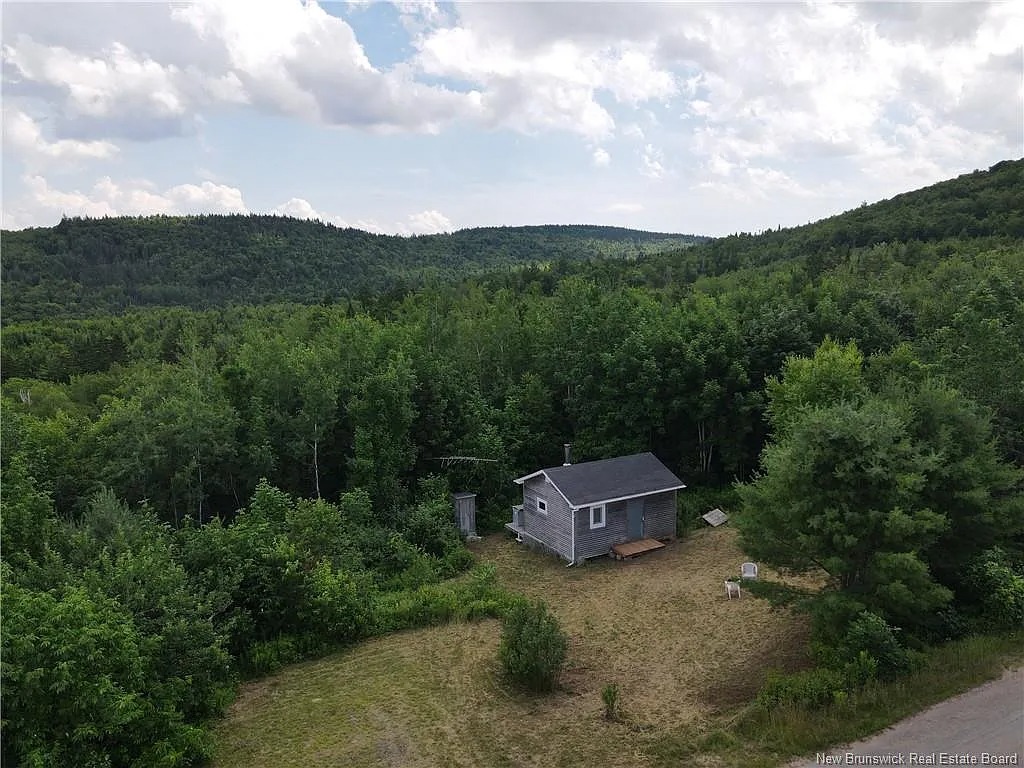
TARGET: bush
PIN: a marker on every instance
(494, 608)
(533, 647)
(869, 633)
(996, 591)
(610, 697)
(950, 624)
(429, 526)
(80, 685)
(457, 561)
(861, 670)
(831, 615)
(336, 608)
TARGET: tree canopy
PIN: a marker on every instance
(875, 488)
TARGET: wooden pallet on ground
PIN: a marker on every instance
(634, 548)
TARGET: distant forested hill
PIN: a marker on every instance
(982, 204)
(85, 267)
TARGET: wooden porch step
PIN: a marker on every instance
(634, 548)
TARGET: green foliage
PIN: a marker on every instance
(533, 647)
(166, 437)
(81, 687)
(868, 651)
(264, 657)
(870, 639)
(610, 697)
(840, 494)
(976, 491)
(889, 492)
(384, 414)
(336, 608)
(996, 590)
(832, 376)
(768, 735)
(475, 598)
(25, 522)
(429, 526)
(811, 688)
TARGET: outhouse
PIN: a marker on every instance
(465, 513)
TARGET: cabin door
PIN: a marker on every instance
(635, 519)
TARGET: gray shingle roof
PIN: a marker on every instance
(616, 478)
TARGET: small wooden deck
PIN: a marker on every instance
(634, 548)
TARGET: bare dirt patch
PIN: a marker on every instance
(660, 627)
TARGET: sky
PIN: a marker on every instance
(425, 117)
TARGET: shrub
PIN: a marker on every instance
(997, 591)
(336, 609)
(429, 526)
(859, 671)
(832, 614)
(950, 624)
(420, 569)
(483, 579)
(610, 697)
(533, 647)
(455, 561)
(428, 604)
(869, 633)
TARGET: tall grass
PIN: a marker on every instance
(473, 597)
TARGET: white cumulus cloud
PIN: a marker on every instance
(427, 223)
(42, 203)
(295, 58)
(298, 208)
(24, 137)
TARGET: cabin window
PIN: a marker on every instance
(542, 506)
(597, 516)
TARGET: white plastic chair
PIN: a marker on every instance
(748, 571)
(731, 587)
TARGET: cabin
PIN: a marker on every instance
(585, 510)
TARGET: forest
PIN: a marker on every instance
(89, 267)
(248, 472)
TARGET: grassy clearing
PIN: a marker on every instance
(659, 627)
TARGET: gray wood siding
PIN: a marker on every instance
(593, 543)
(660, 515)
(553, 529)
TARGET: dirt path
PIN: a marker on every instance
(978, 726)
